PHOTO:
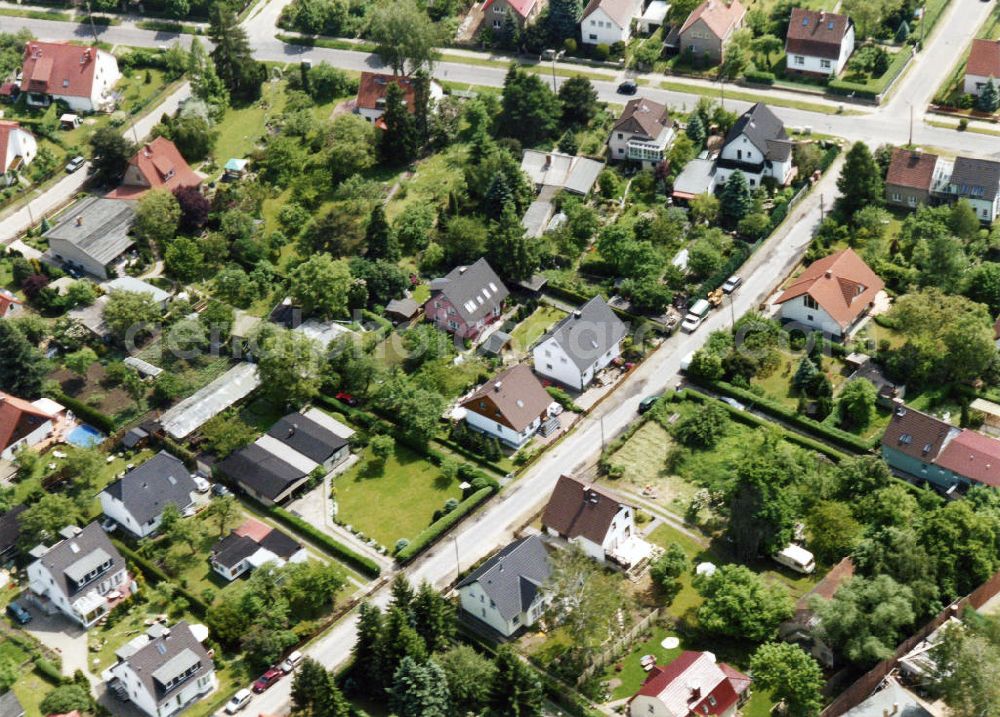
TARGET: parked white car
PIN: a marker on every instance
(240, 700)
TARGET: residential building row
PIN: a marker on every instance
(917, 177)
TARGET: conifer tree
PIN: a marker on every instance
(419, 690)
(21, 368)
(695, 129)
(380, 237)
(736, 200)
(398, 143)
(989, 97)
(367, 663)
(516, 690)
(433, 618)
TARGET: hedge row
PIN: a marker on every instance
(834, 435)
(362, 563)
(81, 409)
(49, 671)
(152, 572)
(759, 77)
(429, 535)
(755, 421)
(465, 453)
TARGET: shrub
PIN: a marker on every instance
(759, 77)
(429, 535)
(601, 52)
(81, 409)
(49, 671)
(563, 399)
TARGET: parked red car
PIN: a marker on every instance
(267, 680)
(347, 398)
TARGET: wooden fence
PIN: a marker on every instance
(864, 686)
(617, 647)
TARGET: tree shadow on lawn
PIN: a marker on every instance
(442, 482)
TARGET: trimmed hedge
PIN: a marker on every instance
(429, 535)
(81, 409)
(872, 89)
(843, 439)
(49, 671)
(152, 572)
(759, 77)
(362, 563)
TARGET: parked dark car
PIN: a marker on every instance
(220, 490)
(267, 680)
(628, 87)
(647, 403)
(18, 614)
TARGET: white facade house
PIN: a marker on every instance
(506, 592)
(82, 77)
(982, 66)
(82, 576)
(580, 345)
(596, 520)
(17, 148)
(757, 146)
(251, 545)
(512, 407)
(692, 684)
(605, 22)
(642, 133)
(25, 424)
(818, 42)
(165, 670)
(136, 501)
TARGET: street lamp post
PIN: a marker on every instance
(458, 565)
(555, 58)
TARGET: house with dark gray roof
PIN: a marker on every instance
(758, 146)
(263, 475)
(167, 673)
(315, 435)
(92, 235)
(507, 592)
(82, 576)
(642, 133)
(580, 345)
(10, 706)
(466, 300)
(250, 546)
(978, 182)
(137, 499)
(10, 532)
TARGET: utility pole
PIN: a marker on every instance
(822, 211)
(910, 142)
(732, 310)
(458, 568)
(93, 29)
(602, 432)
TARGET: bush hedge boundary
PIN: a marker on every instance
(362, 563)
(81, 409)
(430, 535)
(152, 572)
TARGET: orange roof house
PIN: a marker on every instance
(832, 294)
(17, 147)
(983, 64)
(157, 165)
(23, 424)
(8, 303)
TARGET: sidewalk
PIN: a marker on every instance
(82, 17)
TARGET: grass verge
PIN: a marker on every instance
(713, 92)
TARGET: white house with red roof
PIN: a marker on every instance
(373, 86)
(25, 424)
(832, 295)
(524, 12)
(17, 148)
(82, 77)
(693, 684)
(157, 165)
(982, 66)
(9, 304)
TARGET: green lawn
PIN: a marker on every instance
(31, 689)
(778, 384)
(434, 179)
(630, 677)
(242, 128)
(643, 460)
(395, 502)
(531, 329)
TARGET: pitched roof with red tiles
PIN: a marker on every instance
(7, 300)
(911, 168)
(816, 33)
(7, 128)
(721, 18)
(374, 85)
(578, 509)
(162, 166)
(694, 683)
(57, 68)
(974, 456)
(514, 398)
(18, 418)
(521, 7)
(917, 434)
(984, 59)
(253, 529)
(842, 284)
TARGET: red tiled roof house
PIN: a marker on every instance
(17, 148)
(983, 64)
(693, 684)
(511, 407)
(832, 295)
(524, 12)
(910, 176)
(82, 77)
(818, 43)
(157, 165)
(372, 88)
(24, 424)
(709, 27)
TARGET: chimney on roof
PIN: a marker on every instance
(829, 273)
(147, 150)
(79, 220)
(497, 385)
(695, 693)
(291, 430)
(461, 269)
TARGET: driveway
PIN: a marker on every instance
(65, 638)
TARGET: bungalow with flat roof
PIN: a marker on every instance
(92, 236)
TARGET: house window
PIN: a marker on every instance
(825, 64)
(810, 302)
(800, 60)
(593, 36)
(516, 620)
(498, 9)
(621, 135)
(497, 24)
(809, 317)
(593, 22)
(739, 154)
(548, 366)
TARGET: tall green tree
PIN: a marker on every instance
(510, 252)
(433, 617)
(404, 36)
(240, 73)
(469, 677)
(366, 666)
(667, 569)
(110, 153)
(320, 285)
(967, 660)
(735, 197)
(399, 142)
(21, 368)
(289, 364)
(584, 598)
(419, 690)
(857, 404)
(399, 641)
(42, 521)
(860, 181)
(963, 543)
(989, 97)
(530, 110)
(579, 101)
(516, 690)
(833, 530)
(791, 676)
(739, 603)
(563, 20)
(380, 238)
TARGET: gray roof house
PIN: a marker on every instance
(82, 576)
(576, 175)
(136, 500)
(10, 706)
(580, 345)
(758, 146)
(250, 546)
(466, 299)
(167, 673)
(506, 593)
(315, 435)
(263, 475)
(92, 235)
